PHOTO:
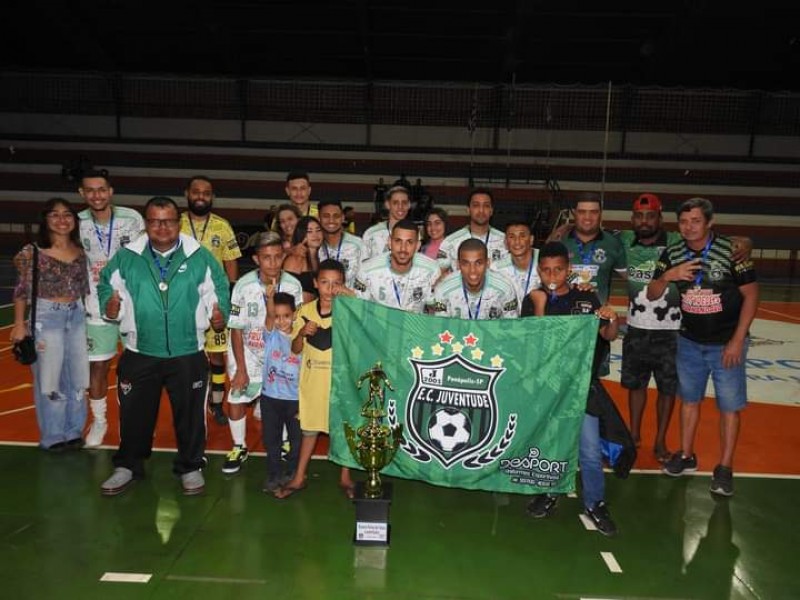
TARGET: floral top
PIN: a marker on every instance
(57, 279)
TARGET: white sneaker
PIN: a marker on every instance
(119, 481)
(97, 432)
(193, 483)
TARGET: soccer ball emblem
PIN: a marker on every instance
(449, 429)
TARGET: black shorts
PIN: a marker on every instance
(648, 352)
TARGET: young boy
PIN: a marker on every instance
(312, 336)
(279, 388)
(246, 348)
(556, 297)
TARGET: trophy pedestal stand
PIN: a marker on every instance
(372, 517)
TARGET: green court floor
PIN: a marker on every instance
(59, 537)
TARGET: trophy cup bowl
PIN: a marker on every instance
(373, 445)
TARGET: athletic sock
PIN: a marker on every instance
(238, 430)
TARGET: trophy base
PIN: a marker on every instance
(372, 517)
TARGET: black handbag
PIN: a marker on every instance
(25, 350)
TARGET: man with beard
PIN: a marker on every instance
(214, 233)
(339, 245)
(405, 278)
(651, 341)
(104, 229)
(481, 209)
(376, 238)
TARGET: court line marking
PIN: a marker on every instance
(126, 577)
(611, 562)
(216, 579)
(16, 410)
(587, 522)
(780, 314)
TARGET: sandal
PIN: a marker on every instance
(288, 490)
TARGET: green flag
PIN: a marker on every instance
(490, 405)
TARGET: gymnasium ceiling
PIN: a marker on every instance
(694, 43)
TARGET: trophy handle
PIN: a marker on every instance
(352, 440)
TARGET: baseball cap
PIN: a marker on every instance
(647, 202)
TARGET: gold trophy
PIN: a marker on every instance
(373, 445)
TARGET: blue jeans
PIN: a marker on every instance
(590, 460)
(697, 361)
(61, 371)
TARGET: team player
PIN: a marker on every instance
(557, 297)
(280, 376)
(246, 326)
(312, 336)
(481, 209)
(475, 292)
(405, 278)
(719, 299)
(104, 229)
(214, 233)
(339, 245)
(298, 190)
(520, 264)
(376, 238)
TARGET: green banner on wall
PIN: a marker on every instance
(490, 405)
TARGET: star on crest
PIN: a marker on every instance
(477, 354)
(496, 361)
(417, 352)
(446, 337)
(470, 339)
(457, 347)
(437, 349)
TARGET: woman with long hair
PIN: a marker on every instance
(302, 262)
(61, 370)
(435, 232)
(287, 217)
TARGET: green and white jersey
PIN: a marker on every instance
(494, 239)
(376, 241)
(348, 252)
(525, 280)
(100, 242)
(497, 299)
(664, 313)
(248, 313)
(594, 261)
(411, 291)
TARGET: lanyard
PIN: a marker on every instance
(466, 300)
(100, 234)
(586, 257)
(485, 240)
(338, 249)
(163, 270)
(528, 279)
(205, 226)
(698, 279)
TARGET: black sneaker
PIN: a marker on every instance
(678, 464)
(722, 481)
(219, 415)
(542, 506)
(602, 519)
(234, 460)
